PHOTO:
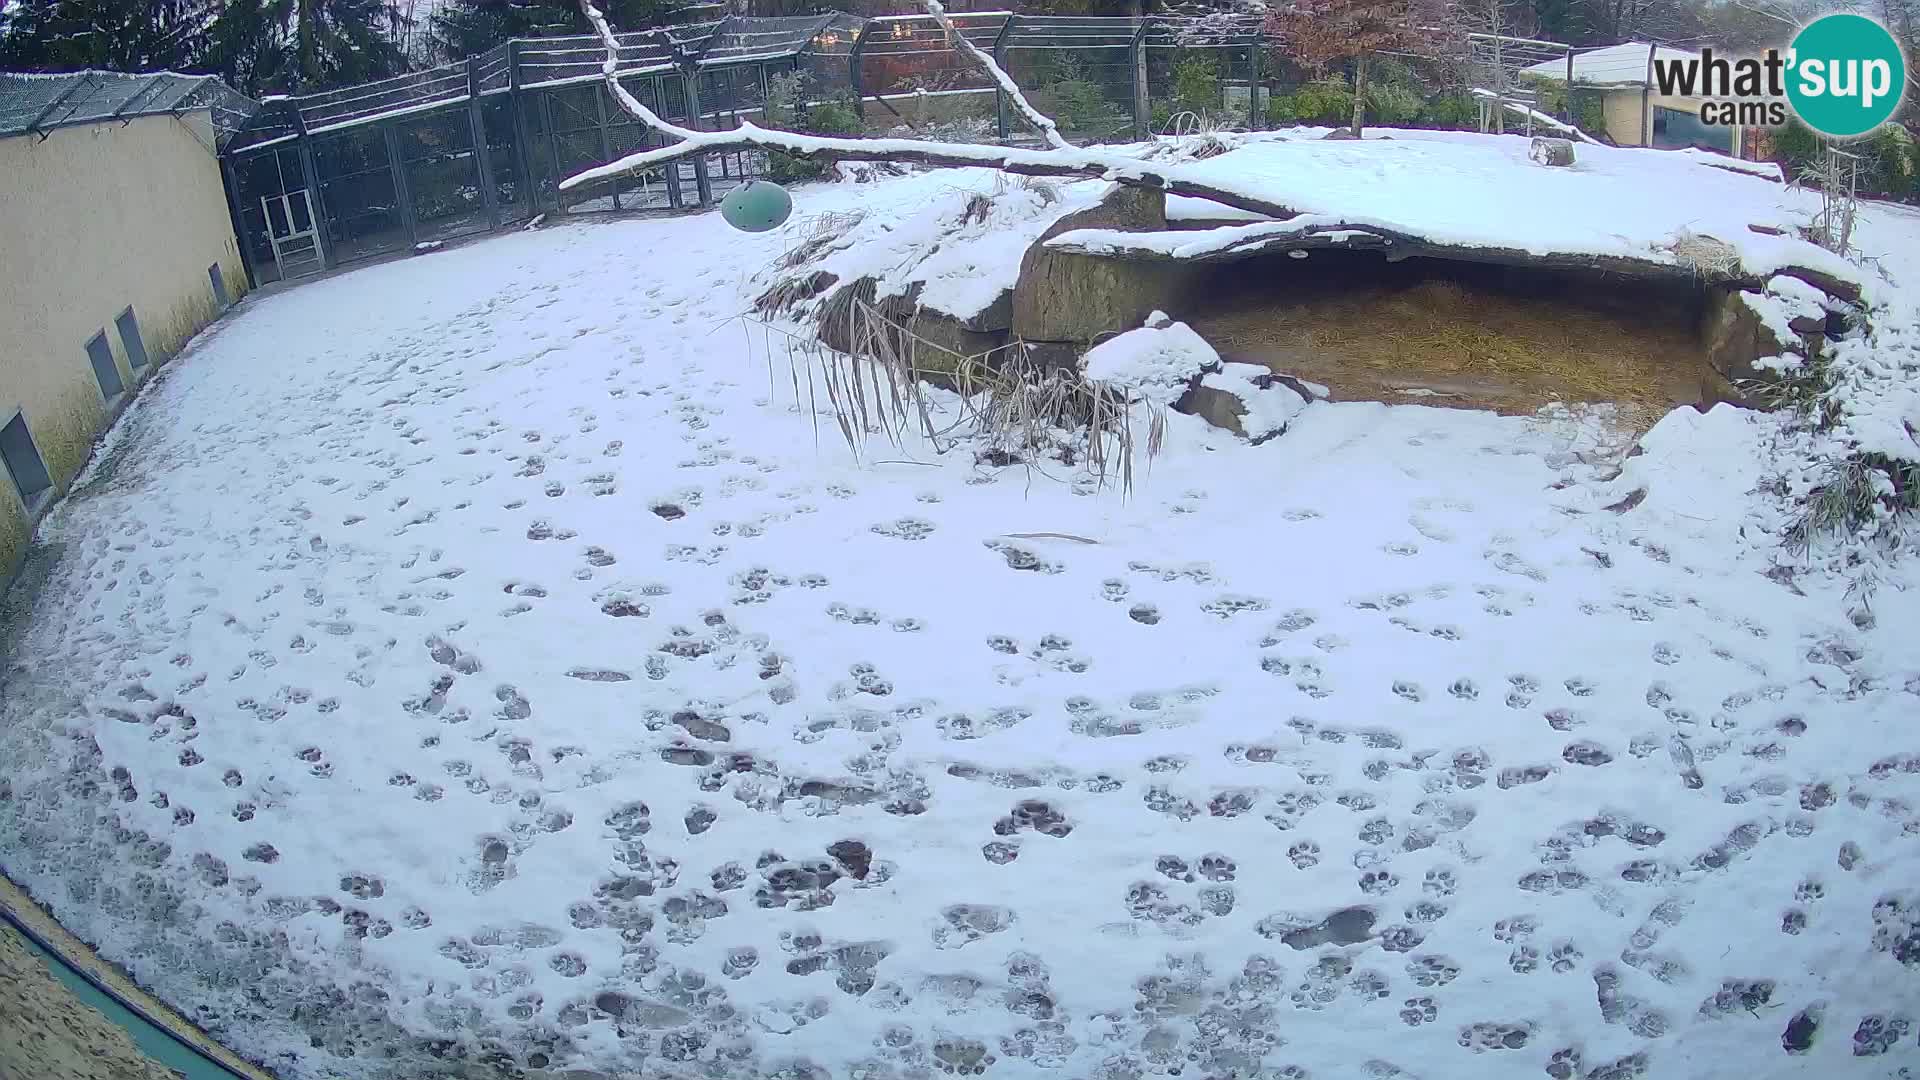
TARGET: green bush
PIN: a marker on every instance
(1889, 163)
(1073, 99)
(787, 108)
(1391, 103)
(1196, 85)
(835, 117)
(1889, 158)
(1325, 100)
(1449, 112)
(1082, 105)
(1795, 146)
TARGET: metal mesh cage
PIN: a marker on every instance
(40, 103)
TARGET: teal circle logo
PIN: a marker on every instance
(1845, 75)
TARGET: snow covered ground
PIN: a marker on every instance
(483, 656)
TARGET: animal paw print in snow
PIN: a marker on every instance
(1229, 605)
(1515, 928)
(1053, 650)
(1035, 815)
(1483, 1037)
(906, 528)
(1378, 882)
(1564, 957)
(1021, 558)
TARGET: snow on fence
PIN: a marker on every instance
(483, 144)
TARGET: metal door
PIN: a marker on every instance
(293, 232)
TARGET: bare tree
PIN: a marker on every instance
(1322, 32)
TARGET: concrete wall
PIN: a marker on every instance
(93, 219)
(1625, 117)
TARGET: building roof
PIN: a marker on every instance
(41, 103)
(1615, 65)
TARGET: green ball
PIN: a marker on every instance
(757, 207)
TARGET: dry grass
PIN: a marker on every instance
(1467, 344)
(788, 292)
(816, 235)
(1005, 408)
(1705, 254)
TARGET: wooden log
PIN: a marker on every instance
(1550, 151)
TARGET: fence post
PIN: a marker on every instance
(1646, 100)
(402, 190)
(553, 146)
(1142, 111)
(482, 153)
(1000, 95)
(312, 177)
(690, 75)
(231, 184)
(853, 70)
(522, 136)
(1569, 84)
(1253, 85)
(670, 172)
(606, 145)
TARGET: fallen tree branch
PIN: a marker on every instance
(610, 70)
(1536, 115)
(1073, 162)
(1041, 122)
(1063, 160)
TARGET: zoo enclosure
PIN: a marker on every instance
(464, 148)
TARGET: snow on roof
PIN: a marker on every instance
(42, 102)
(1615, 65)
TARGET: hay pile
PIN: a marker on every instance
(1479, 345)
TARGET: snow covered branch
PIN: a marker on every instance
(1041, 122)
(1538, 117)
(1063, 160)
(1071, 162)
(610, 69)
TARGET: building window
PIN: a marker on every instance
(1676, 129)
(130, 339)
(100, 354)
(220, 299)
(23, 462)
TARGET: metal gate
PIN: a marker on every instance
(294, 234)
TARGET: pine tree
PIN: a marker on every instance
(111, 35)
(461, 28)
(302, 46)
